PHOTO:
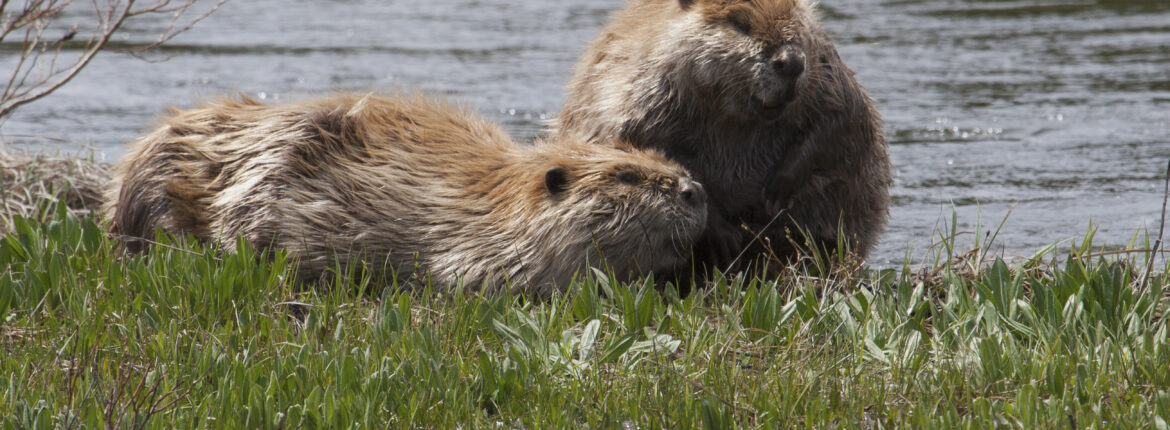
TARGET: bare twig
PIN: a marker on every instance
(38, 72)
(170, 32)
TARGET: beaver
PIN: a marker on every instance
(752, 98)
(419, 184)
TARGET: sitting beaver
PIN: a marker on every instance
(752, 98)
(414, 183)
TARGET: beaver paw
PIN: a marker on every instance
(778, 192)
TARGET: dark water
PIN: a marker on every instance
(1059, 109)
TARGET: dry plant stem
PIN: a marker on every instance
(1155, 250)
(37, 73)
(756, 237)
(29, 179)
(1161, 230)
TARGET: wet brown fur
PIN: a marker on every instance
(421, 185)
(700, 81)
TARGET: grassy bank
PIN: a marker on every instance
(27, 179)
(186, 337)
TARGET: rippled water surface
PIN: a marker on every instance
(1059, 109)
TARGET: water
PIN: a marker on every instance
(1057, 110)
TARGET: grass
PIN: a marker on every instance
(27, 178)
(188, 337)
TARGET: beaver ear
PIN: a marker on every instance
(556, 179)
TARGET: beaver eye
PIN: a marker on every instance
(739, 24)
(629, 178)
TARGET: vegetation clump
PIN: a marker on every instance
(29, 179)
(187, 336)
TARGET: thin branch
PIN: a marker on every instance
(3, 6)
(156, 7)
(170, 32)
(8, 105)
(41, 55)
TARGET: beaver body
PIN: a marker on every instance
(752, 98)
(408, 183)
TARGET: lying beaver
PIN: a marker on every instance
(421, 185)
(752, 98)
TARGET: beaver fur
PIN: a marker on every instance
(404, 182)
(752, 98)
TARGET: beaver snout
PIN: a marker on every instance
(692, 193)
(789, 63)
(780, 89)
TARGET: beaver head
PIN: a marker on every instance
(747, 58)
(633, 211)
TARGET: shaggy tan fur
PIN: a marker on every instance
(752, 98)
(421, 185)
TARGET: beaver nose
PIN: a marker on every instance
(789, 63)
(692, 193)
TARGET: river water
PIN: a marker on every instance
(1055, 110)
